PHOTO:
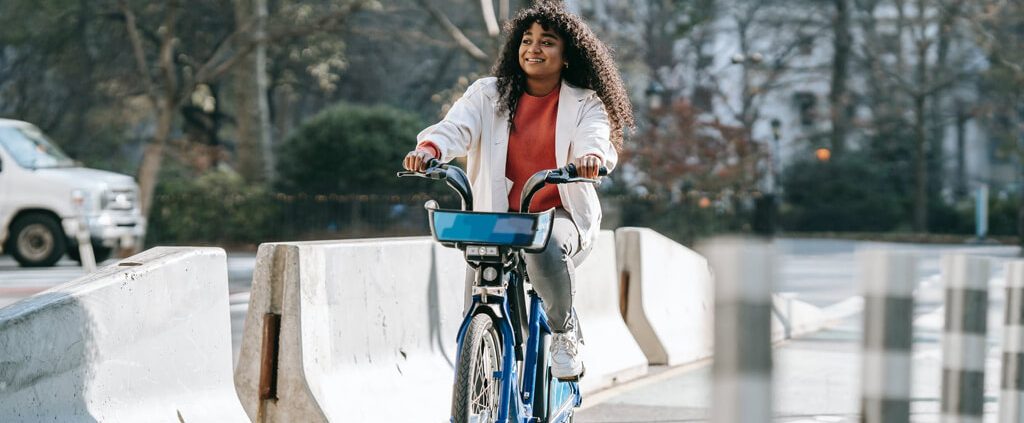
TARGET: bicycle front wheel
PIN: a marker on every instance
(477, 392)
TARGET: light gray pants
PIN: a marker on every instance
(553, 271)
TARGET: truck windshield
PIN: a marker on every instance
(31, 149)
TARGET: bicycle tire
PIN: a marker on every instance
(476, 393)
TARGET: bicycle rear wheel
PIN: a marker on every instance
(477, 392)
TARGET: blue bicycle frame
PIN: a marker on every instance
(517, 400)
(488, 239)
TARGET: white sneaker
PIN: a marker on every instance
(566, 364)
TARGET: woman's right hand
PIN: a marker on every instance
(416, 160)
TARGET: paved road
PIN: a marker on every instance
(816, 377)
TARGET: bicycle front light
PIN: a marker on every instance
(490, 274)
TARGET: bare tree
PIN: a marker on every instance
(996, 27)
(169, 76)
(919, 72)
(839, 95)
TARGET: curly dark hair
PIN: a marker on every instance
(591, 64)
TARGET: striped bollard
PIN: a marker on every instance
(1011, 395)
(963, 340)
(887, 280)
(744, 272)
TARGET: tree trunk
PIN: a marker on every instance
(152, 157)
(838, 97)
(920, 167)
(249, 163)
(262, 90)
(961, 152)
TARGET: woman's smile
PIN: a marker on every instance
(541, 53)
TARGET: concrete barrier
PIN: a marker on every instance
(668, 296)
(963, 339)
(887, 279)
(145, 340)
(741, 373)
(611, 354)
(792, 318)
(351, 331)
(1011, 395)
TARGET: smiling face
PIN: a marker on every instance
(541, 53)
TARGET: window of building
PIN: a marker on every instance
(804, 103)
(805, 43)
(702, 98)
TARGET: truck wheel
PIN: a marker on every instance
(37, 240)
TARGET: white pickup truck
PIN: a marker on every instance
(44, 196)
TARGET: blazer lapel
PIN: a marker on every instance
(568, 109)
(497, 150)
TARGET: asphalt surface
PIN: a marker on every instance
(816, 377)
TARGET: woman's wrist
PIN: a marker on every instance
(430, 148)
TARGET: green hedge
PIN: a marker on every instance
(217, 208)
(350, 149)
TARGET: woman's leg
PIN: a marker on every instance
(552, 271)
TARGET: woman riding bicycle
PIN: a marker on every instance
(556, 98)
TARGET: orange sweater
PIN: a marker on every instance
(531, 148)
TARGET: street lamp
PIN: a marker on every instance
(654, 93)
(767, 223)
(776, 160)
(823, 154)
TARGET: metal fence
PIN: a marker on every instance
(199, 219)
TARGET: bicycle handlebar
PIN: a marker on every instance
(456, 179)
(565, 175)
(451, 175)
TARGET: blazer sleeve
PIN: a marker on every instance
(461, 126)
(593, 134)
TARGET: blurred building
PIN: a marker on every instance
(769, 65)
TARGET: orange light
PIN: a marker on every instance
(704, 202)
(823, 154)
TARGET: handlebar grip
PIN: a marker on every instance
(573, 173)
(431, 163)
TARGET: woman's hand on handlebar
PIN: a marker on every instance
(417, 160)
(588, 166)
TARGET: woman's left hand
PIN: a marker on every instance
(587, 166)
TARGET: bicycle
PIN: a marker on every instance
(502, 370)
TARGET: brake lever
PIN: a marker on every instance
(593, 181)
(435, 170)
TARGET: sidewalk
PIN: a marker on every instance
(817, 377)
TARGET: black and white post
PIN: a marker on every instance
(1011, 395)
(744, 273)
(963, 340)
(887, 279)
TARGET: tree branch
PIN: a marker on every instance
(167, 43)
(224, 58)
(140, 56)
(454, 31)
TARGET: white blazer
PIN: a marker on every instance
(475, 129)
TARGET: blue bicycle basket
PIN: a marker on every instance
(529, 231)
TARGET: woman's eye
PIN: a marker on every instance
(525, 41)
(548, 43)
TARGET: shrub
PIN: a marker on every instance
(847, 194)
(350, 149)
(216, 207)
